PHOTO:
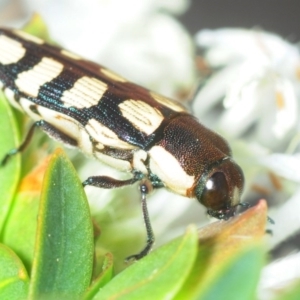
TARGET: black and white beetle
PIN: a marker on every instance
(85, 105)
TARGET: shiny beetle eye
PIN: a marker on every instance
(215, 193)
(219, 189)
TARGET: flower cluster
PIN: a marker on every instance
(255, 76)
(257, 80)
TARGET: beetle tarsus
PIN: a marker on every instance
(23, 146)
(150, 236)
(6, 158)
(244, 204)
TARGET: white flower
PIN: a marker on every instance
(257, 78)
(140, 40)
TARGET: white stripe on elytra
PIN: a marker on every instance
(28, 37)
(68, 126)
(86, 92)
(103, 135)
(168, 102)
(141, 115)
(46, 70)
(11, 51)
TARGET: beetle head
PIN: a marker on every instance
(220, 187)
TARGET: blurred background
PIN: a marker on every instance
(277, 16)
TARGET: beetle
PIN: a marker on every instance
(128, 127)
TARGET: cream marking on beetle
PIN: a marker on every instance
(10, 95)
(112, 75)
(105, 136)
(70, 54)
(60, 121)
(11, 51)
(86, 92)
(236, 196)
(122, 165)
(84, 142)
(167, 168)
(168, 102)
(28, 37)
(141, 115)
(46, 70)
(68, 126)
(25, 103)
(139, 158)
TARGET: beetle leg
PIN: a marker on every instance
(150, 236)
(49, 129)
(15, 151)
(106, 182)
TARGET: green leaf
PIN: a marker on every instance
(37, 27)
(230, 258)
(63, 260)
(103, 278)
(157, 276)
(22, 217)
(14, 280)
(22, 220)
(238, 279)
(10, 173)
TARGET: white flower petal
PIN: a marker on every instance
(213, 90)
(228, 45)
(279, 275)
(242, 115)
(237, 44)
(287, 220)
(155, 61)
(287, 110)
(287, 166)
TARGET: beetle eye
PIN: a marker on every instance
(216, 192)
(219, 190)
